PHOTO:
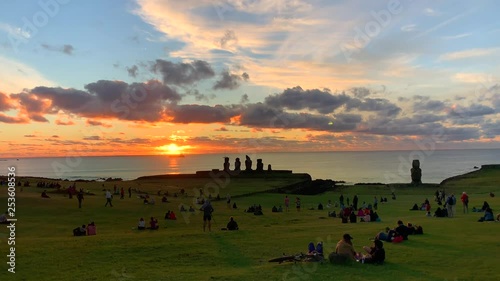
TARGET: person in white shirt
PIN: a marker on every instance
(108, 198)
(142, 224)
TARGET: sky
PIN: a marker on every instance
(147, 77)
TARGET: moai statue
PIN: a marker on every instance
(416, 173)
(226, 164)
(237, 165)
(248, 163)
(260, 165)
(269, 168)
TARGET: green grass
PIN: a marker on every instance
(457, 248)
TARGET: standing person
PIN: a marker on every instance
(355, 202)
(454, 200)
(341, 199)
(80, 198)
(465, 202)
(108, 198)
(347, 201)
(122, 193)
(297, 203)
(228, 198)
(207, 215)
(129, 192)
(375, 203)
(287, 203)
(449, 206)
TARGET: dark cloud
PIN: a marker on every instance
(65, 49)
(29, 136)
(360, 92)
(106, 99)
(199, 96)
(473, 110)
(422, 103)
(182, 73)
(12, 120)
(298, 99)
(93, 138)
(228, 81)
(263, 116)
(97, 123)
(229, 36)
(55, 136)
(132, 71)
(193, 113)
(245, 76)
(382, 106)
(244, 99)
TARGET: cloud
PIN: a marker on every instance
(229, 81)
(92, 138)
(471, 53)
(132, 71)
(193, 113)
(5, 103)
(382, 106)
(221, 129)
(64, 123)
(14, 31)
(244, 99)
(182, 73)
(421, 103)
(104, 99)
(65, 49)
(473, 110)
(409, 27)
(431, 12)
(97, 123)
(297, 99)
(458, 36)
(29, 136)
(12, 120)
(228, 38)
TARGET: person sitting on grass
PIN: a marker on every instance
(274, 209)
(376, 253)
(91, 229)
(235, 206)
(485, 206)
(142, 224)
(488, 215)
(385, 236)
(167, 215)
(3, 218)
(183, 209)
(152, 201)
(345, 248)
(191, 209)
(44, 194)
(232, 224)
(164, 199)
(80, 231)
(153, 224)
(145, 201)
(172, 216)
(402, 230)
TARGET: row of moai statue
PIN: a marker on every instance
(248, 165)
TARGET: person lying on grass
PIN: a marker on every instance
(80, 231)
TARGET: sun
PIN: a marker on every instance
(171, 149)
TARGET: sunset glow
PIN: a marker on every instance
(145, 77)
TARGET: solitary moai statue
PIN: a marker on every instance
(416, 173)
(269, 169)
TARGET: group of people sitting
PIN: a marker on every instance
(425, 206)
(344, 251)
(153, 224)
(90, 229)
(170, 215)
(44, 194)
(399, 233)
(277, 210)
(183, 209)
(256, 210)
(348, 214)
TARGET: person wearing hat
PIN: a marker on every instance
(376, 253)
(345, 247)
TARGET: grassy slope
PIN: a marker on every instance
(451, 249)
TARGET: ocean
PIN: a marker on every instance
(351, 167)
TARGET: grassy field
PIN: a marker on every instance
(457, 248)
